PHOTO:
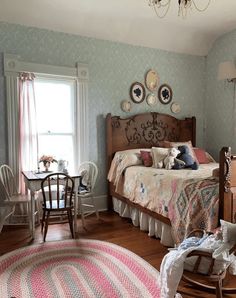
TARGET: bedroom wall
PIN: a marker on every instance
(112, 69)
(220, 112)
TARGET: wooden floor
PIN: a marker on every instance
(110, 228)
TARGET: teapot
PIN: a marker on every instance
(62, 165)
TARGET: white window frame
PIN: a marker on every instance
(13, 65)
(74, 133)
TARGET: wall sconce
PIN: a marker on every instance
(227, 71)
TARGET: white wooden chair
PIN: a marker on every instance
(89, 172)
(11, 196)
(5, 212)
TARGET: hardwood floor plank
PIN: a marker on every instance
(110, 228)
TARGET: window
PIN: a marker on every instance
(62, 119)
(56, 119)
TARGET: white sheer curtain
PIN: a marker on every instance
(28, 134)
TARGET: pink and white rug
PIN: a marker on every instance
(76, 268)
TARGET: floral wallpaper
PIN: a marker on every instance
(220, 98)
(113, 67)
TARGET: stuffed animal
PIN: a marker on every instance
(186, 157)
(170, 160)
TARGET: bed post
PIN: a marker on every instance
(194, 131)
(109, 155)
(227, 188)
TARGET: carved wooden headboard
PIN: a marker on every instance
(146, 130)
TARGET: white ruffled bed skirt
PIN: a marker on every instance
(147, 223)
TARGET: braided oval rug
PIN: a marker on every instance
(76, 268)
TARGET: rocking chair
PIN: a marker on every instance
(209, 277)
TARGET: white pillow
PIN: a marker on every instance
(158, 155)
(228, 231)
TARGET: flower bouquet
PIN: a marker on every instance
(46, 160)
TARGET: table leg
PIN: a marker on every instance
(32, 196)
(76, 205)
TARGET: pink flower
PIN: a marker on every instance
(47, 158)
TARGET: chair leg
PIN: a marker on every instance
(37, 208)
(43, 220)
(70, 219)
(46, 226)
(219, 289)
(82, 212)
(95, 207)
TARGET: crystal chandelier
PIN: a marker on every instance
(161, 7)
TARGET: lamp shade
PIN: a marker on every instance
(226, 70)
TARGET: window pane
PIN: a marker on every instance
(60, 147)
(54, 104)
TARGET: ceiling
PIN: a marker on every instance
(127, 21)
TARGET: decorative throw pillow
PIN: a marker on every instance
(158, 155)
(146, 158)
(216, 172)
(201, 155)
(228, 231)
(168, 144)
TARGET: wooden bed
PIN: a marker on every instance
(151, 129)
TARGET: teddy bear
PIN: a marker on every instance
(171, 159)
(186, 157)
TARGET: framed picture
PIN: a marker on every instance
(165, 94)
(175, 107)
(152, 80)
(137, 92)
(151, 99)
(126, 106)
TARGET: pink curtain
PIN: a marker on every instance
(28, 135)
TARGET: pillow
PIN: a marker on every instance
(158, 155)
(130, 151)
(216, 172)
(228, 231)
(168, 144)
(146, 158)
(210, 158)
(122, 160)
(201, 155)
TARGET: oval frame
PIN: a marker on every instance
(151, 99)
(137, 92)
(126, 106)
(175, 107)
(167, 97)
(152, 80)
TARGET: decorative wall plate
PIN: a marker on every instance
(126, 106)
(165, 94)
(175, 107)
(152, 80)
(137, 92)
(151, 99)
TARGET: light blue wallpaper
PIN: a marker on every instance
(220, 118)
(112, 69)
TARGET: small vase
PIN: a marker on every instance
(46, 166)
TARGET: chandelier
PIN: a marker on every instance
(161, 7)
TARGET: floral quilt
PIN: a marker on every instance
(189, 198)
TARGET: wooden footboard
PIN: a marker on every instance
(227, 178)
